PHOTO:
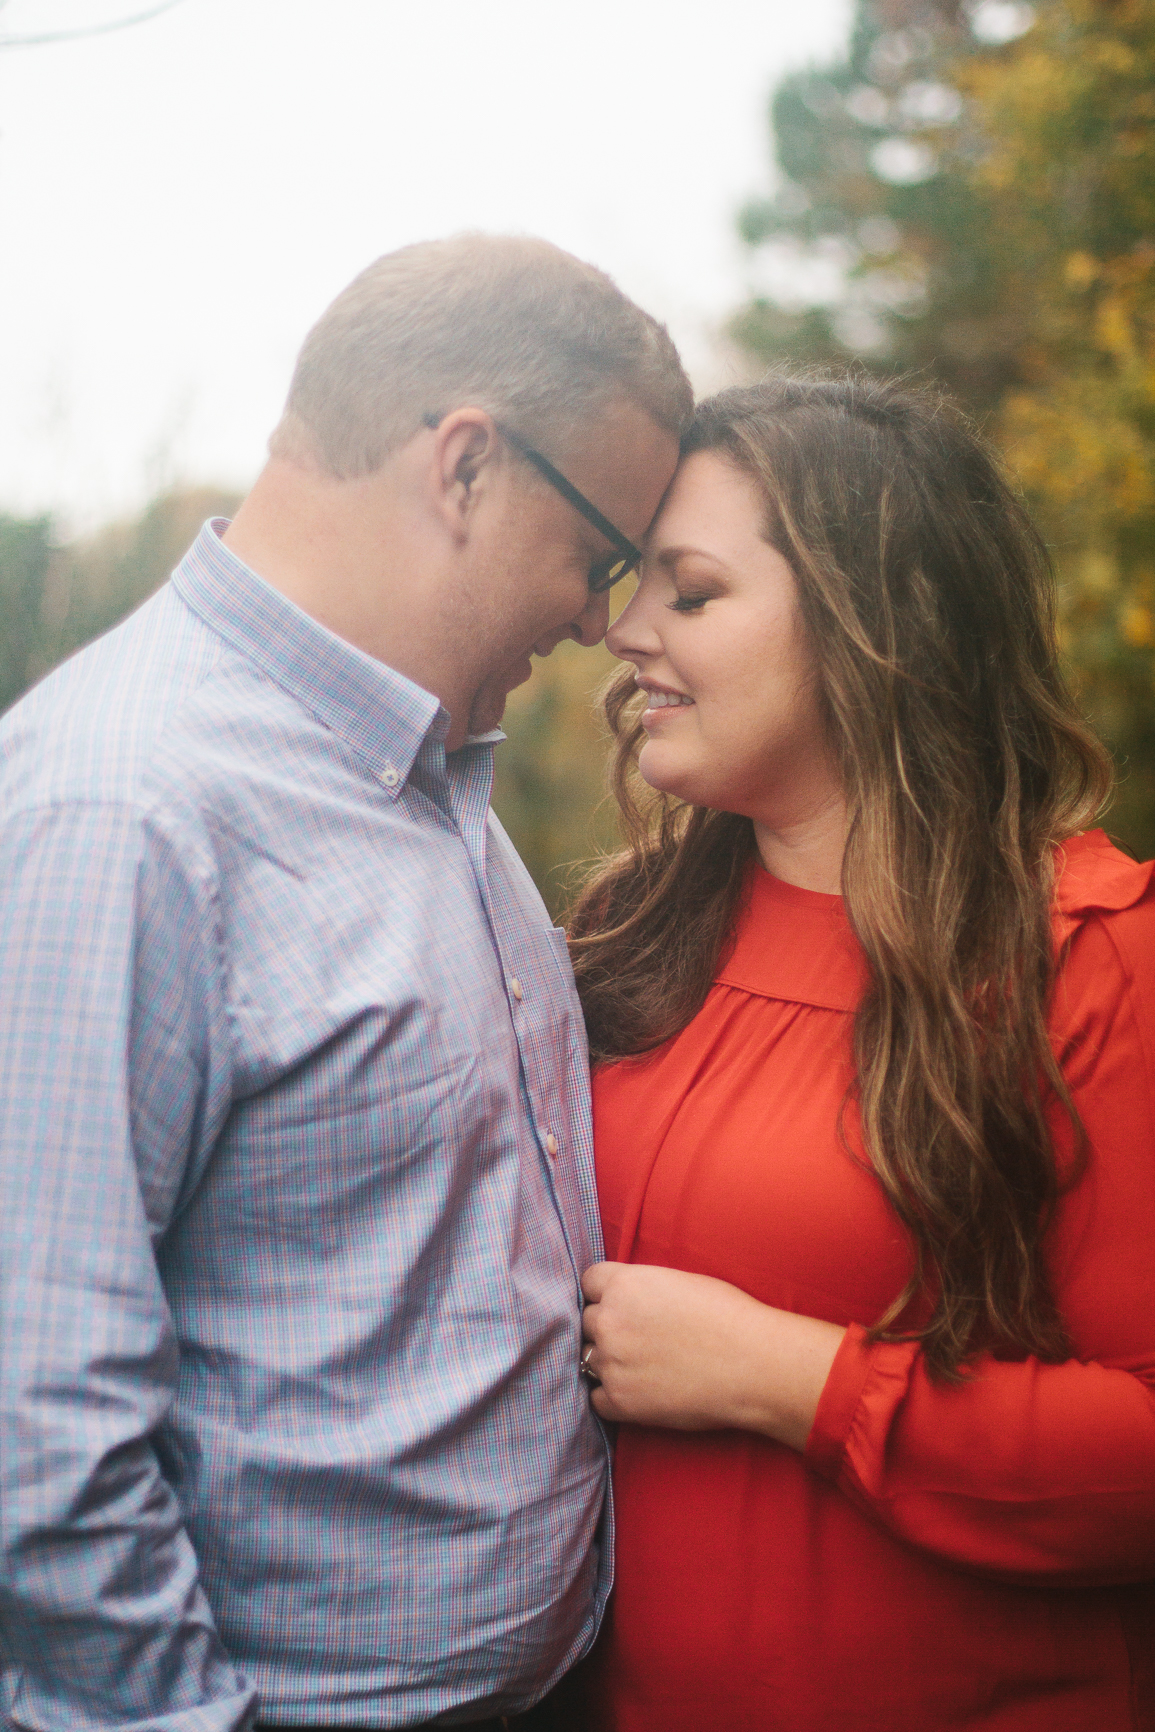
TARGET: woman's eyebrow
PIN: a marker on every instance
(669, 556)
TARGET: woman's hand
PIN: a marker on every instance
(696, 1354)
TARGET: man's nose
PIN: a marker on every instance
(590, 625)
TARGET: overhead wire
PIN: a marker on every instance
(87, 29)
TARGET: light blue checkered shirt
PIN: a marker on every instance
(296, 1191)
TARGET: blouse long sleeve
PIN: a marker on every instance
(1028, 1471)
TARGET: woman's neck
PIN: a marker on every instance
(807, 851)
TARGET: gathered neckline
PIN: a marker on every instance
(798, 945)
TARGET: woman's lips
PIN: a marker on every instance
(660, 705)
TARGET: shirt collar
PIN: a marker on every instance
(382, 715)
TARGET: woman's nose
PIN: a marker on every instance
(632, 637)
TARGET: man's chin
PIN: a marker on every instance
(489, 704)
(488, 709)
(486, 715)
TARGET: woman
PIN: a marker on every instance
(875, 1113)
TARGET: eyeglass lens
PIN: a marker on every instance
(604, 573)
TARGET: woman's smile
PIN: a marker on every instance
(661, 703)
(716, 610)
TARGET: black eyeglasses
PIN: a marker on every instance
(612, 567)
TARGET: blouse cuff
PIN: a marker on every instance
(838, 1403)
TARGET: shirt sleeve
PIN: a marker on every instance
(1035, 1472)
(110, 1035)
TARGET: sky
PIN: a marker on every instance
(180, 200)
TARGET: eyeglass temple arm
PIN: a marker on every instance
(566, 488)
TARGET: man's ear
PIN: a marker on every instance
(466, 447)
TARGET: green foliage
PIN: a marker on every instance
(25, 558)
(55, 597)
(550, 784)
(990, 206)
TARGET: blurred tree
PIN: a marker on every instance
(25, 558)
(972, 192)
(55, 597)
(96, 581)
(550, 788)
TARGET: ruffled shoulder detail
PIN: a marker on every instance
(1091, 873)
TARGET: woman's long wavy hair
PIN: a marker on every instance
(928, 600)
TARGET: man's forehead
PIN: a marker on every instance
(625, 464)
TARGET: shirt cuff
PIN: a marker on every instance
(838, 1403)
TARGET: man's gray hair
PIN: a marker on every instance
(509, 324)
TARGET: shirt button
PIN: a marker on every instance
(550, 1144)
(515, 988)
(388, 776)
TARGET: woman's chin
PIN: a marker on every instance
(668, 772)
(664, 769)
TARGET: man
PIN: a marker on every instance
(293, 1117)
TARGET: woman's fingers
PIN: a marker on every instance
(688, 1351)
(587, 1367)
(589, 1339)
(595, 1278)
(666, 1345)
(594, 1283)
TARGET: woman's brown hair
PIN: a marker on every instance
(928, 599)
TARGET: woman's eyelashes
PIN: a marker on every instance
(692, 593)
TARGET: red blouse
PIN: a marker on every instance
(972, 1556)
